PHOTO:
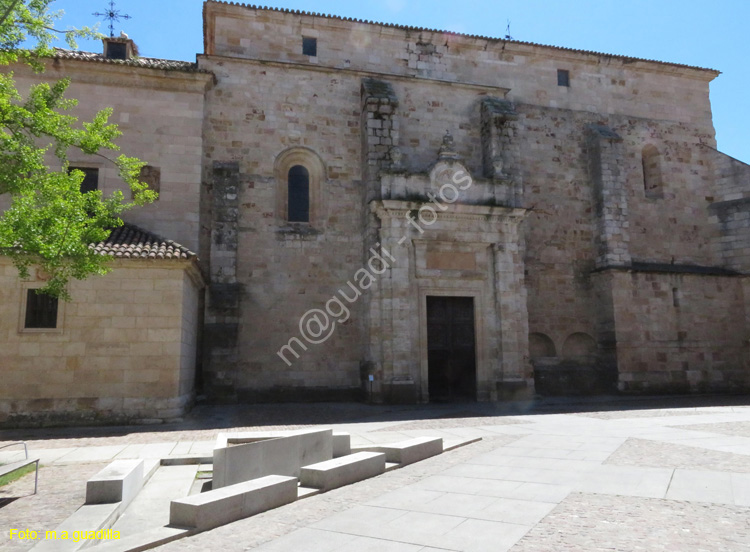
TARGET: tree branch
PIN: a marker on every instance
(10, 9)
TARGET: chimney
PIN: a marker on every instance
(120, 47)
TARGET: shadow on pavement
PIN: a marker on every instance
(290, 415)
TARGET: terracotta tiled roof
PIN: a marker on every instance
(149, 63)
(131, 242)
(423, 29)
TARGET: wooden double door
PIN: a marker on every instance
(451, 349)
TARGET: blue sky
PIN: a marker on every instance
(694, 32)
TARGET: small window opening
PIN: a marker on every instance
(563, 77)
(309, 46)
(299, 194)
(675, 297)
(90, 178)
(41, 310)
(117, 50)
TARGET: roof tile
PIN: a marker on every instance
(149, 63)
(131, 242)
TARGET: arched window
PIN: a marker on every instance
(298, 182)
(652, 180)
(299, 174)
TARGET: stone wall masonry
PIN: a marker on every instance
(612, 237)
(285, 270)
(680, 332)
(380, 129)
(117, 354)
(161, 116)
(732, 176)
(501, 153)
(224, 291)
(192, 323)
(599, 83)
(730, 213)
(559, 232)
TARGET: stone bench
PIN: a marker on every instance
(242, 461)
(120, 481)
(413, 450)
(342, 444)
(343, 471)
(231, 503)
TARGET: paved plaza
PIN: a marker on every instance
(605, 475)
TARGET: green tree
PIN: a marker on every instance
(50, 223)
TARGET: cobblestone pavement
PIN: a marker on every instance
(541, 479)
(599, 523)
(640, 452)
(740, 429)
(61, 492)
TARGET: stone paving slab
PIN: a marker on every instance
(150, 509)
(701, 486)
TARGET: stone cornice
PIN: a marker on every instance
(126, 76)
(237, 10)
(390, 209)
(359, 73)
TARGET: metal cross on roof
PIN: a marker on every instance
(113, 15)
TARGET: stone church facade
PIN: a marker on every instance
(413, 215)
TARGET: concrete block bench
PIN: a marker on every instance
(342, 444)
(342, 471)
(242, 461)
(231, 503)
(120, 481)
(413, 450)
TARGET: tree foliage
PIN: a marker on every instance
(50, 222)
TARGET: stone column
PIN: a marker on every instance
(380, 151)
(516, 376)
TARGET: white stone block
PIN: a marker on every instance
(342, 444)
(221, 506)
(343, 471)
(413, 450)
(281, 456)
(118, 482)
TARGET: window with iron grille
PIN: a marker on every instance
(41, 310)
(563, 77)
